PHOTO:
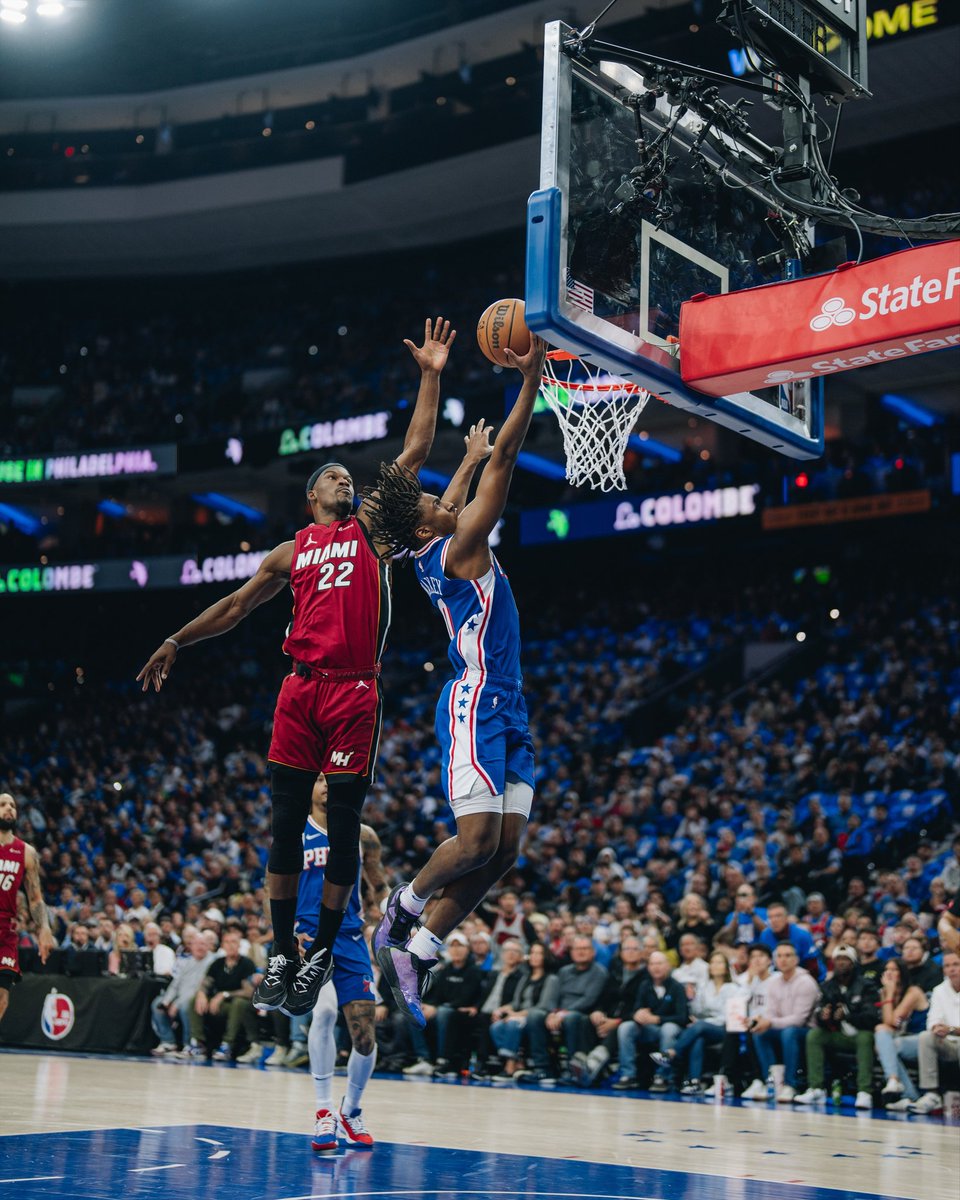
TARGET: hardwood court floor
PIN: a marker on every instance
(183, 1131)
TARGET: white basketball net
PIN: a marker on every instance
(596, 415)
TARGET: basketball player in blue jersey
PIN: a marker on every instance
(481, 723)
(351, 987)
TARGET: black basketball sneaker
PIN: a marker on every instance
(271, 991)
(306, 984)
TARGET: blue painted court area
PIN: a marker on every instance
(208, 1162)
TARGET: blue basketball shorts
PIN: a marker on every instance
(486, 749)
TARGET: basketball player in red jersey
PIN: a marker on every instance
(19, 867)
(327, 719)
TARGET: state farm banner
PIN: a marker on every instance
(893, 307)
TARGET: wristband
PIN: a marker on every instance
(173, 642)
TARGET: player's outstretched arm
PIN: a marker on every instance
(38, 910)
(372, 865)
(468, 549)
(431, 358)
(479, 447)
(272, 576)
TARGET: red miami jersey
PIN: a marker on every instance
(341, 598)
(12, 870)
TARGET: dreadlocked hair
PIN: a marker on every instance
(393, 505)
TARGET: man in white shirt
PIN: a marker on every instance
(164, 957)
(941, 1039)
(692, 972)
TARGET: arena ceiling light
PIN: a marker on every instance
(12, 16)
(50, 8)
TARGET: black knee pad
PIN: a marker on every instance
(291, 791)
(345, 797)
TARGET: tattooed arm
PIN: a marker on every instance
(373, 875)
(38, 910)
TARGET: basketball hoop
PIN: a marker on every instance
(596, 412)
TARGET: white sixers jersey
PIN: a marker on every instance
(480, 614)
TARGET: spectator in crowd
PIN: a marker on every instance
(222, 1010)
(950, 875)
(817, 919)
(922, 971)
(510, 922)
(579, 987)
(163, 956)
(537, 990)
(694, 919)
(746, 923)
(780, 1034)
(781, 929)
(940, 1041)
(845, 1017)
(867, 948)
(456, 993)
(738, 1058)
(662, 1012)
(175, 1002)
(708, 1010)
(616, 1005)
(903, 1016)
(501, 990)
(692, 971)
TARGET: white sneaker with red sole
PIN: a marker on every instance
(353, 1132)
(325, 1132)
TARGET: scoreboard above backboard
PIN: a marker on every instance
(823, 40)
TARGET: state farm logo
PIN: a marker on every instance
(832, 312)
(58, 1015)
(778, 377)
(887, 300)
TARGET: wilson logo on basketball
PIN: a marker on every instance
(58, 1016)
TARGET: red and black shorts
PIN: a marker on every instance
(328, 723)
(9, 952)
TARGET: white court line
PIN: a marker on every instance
(165, 1167)
(32, 1178)
(467, 1192)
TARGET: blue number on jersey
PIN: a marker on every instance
(480, 614)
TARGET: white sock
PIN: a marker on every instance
(411, 901)
(323, 1086)
(322, 1047)
(425, 944)
(359, 1069)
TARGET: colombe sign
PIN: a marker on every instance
(891, 308)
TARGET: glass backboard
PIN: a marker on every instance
(613, 251)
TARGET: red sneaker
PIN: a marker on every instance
(325, 1132)
(353, 1131)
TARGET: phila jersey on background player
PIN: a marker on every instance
(351, 987)
(328, 712)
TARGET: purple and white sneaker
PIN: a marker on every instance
(396, 925)
(408, 977)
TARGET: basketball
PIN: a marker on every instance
(501, 326)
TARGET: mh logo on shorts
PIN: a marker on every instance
(58, 1015)
(832, 312)
(339, 759)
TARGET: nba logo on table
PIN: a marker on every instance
(58, 1016)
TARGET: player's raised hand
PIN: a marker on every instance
(478, 441)
(530, 365)
(158, 667)
(438, 337)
